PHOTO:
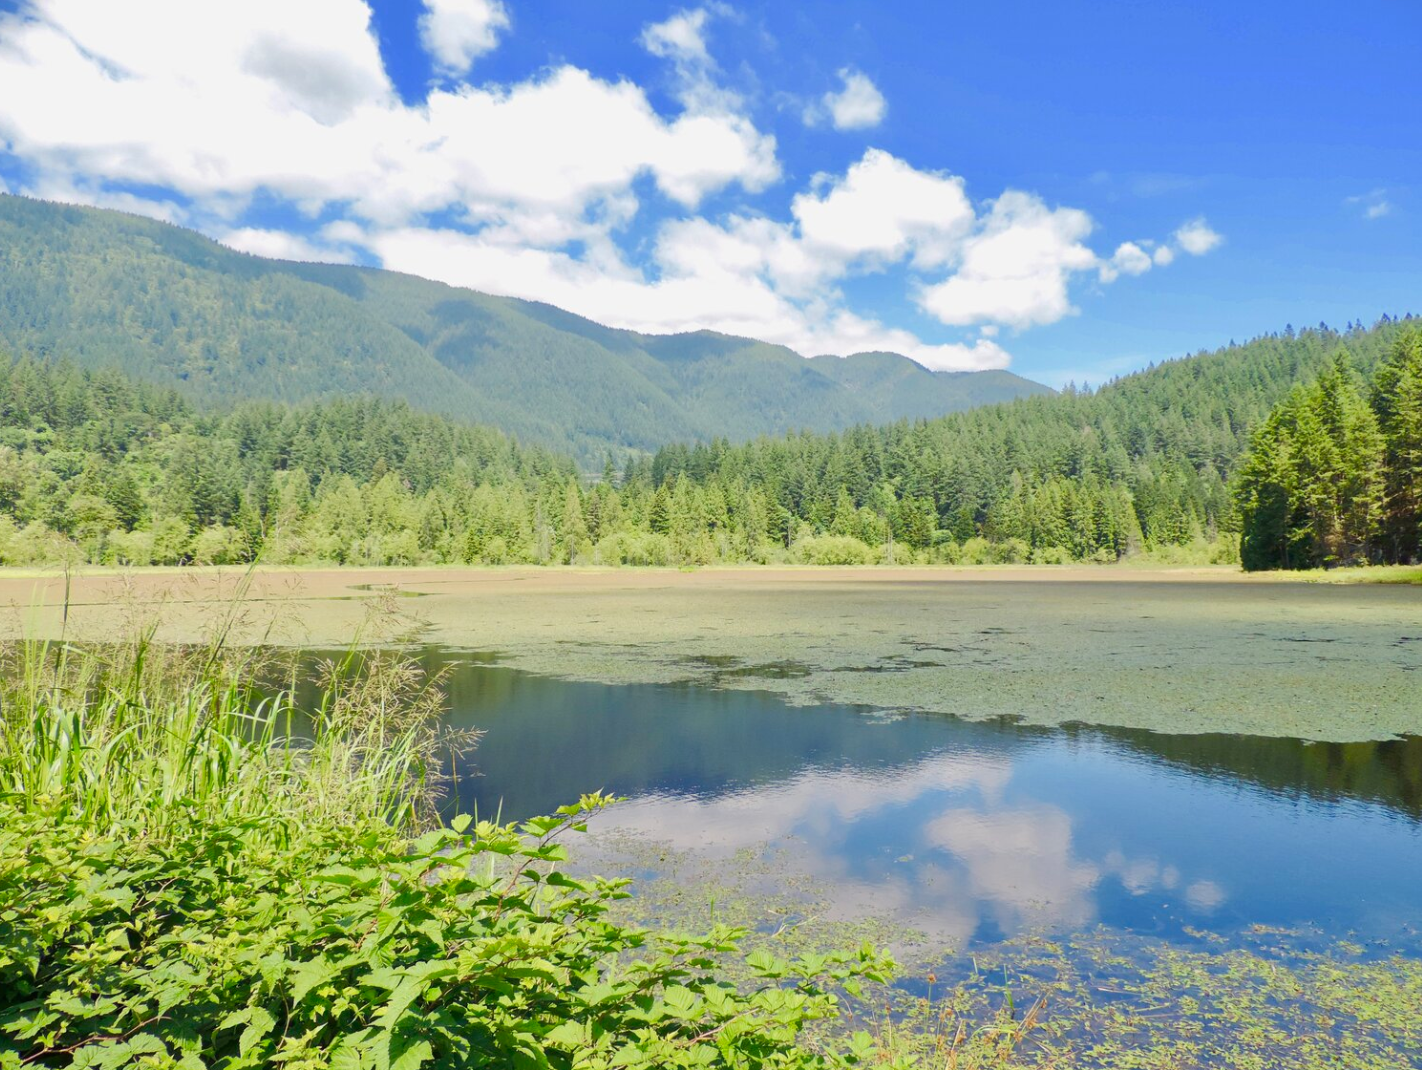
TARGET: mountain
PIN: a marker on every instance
(171, 306)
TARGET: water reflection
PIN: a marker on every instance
(969, 830)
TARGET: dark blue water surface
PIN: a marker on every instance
(976, 829)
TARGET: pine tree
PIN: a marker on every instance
(1397, 398)
(574, 525)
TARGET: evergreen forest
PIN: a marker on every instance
(1305, 443)
(1334, 475)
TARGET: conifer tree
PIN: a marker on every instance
(1397, 398)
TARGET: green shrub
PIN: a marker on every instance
(131, 547)
(1010, 552)
(976, 551)
(833, 550)
(635, 548)
(217, 545)
(1051, 555)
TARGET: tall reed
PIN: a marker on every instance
(135, 734)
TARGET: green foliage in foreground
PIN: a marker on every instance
(1334, 477)
(182, 886)
(242, 944)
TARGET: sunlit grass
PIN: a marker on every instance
(1401, 574)
(140, 733)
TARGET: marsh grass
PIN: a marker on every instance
(139, 732)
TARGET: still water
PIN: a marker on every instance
(977, 831)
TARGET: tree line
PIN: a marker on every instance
(101, 468)
(1334, 474)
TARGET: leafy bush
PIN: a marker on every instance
(975, 551)
(1011, 552)
(833, 550)
(633, 548)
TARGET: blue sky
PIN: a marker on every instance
(1071, 190)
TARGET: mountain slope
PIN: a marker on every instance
(171, 306)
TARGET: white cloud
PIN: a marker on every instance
(1128, 259)
(283, 246)
(86, 193)
(712, 277)
(457, 32)
(883, 210)
(1015, 270)
(533, 183)
(226, 111)
(1196, 237)
(1163, 256)
(681, 37)
(856, 106)
(1131, 259)
(343, 232)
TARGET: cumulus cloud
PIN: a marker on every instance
(456, 32)
(1016, 268)
(883, 210)
(712, 276)
(1128, 259)
(94, 196)
(528, 188)
(856, 105)
(1196, 237)
(223, 107)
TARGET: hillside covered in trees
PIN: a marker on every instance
(169, 306)
(107, 469)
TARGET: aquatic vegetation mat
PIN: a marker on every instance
(1163, 652)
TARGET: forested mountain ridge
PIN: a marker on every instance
(165, 304)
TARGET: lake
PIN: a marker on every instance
(970, 831)
(1183, 807)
